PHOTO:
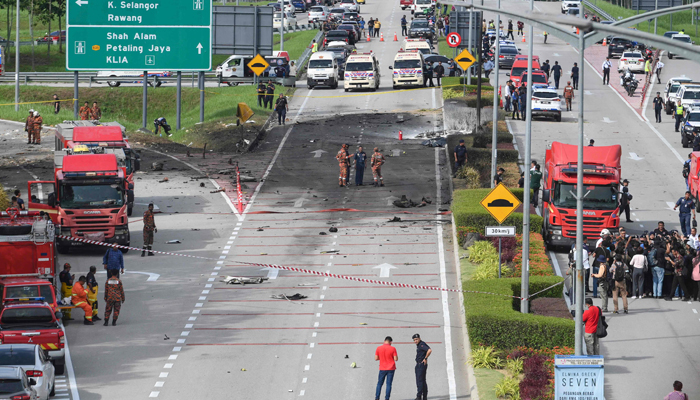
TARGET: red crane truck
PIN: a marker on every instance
(601, 179)
(87, 199)
(109, 137)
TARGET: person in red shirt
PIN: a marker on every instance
(591, 317)
(387, 357)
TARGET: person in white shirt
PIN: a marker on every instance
(639, 264)
(507, 94)
(693, 240)
(586, 265)
(606, 71)
(659, 67)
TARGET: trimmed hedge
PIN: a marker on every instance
(470, 215)
(496, 320)
(483, 141)
(4, 200)
(483, 155)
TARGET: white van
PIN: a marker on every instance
(322, 70)
(236, 66)
(362, 71)
(408, 69)
(421, 45)
(419, 6)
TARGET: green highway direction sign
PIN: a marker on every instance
(144, 36)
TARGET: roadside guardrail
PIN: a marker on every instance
(598, 11)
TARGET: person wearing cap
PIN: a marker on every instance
(37, 123)
(625, 199)
(423, 351)
(658, 106)
(29, 126)
(568, 95)
(342, 158)
(606, 71)
(387, 357)
(149, 227)
(574, 75)
(460, 155)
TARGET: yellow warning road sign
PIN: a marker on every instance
(465, 59)
(500, 203)
(258, 65)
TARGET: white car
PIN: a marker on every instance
(671, 92)
(681, 38)
(319, 13)
(419, 6)
(566, 4)
(290, 20)
(288, 6)
(35, 363)
(546, 102)
(350, 5)
(632, 60)
(689, 96)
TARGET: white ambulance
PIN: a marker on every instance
(422, 45)
(408, 69)
(361, 71)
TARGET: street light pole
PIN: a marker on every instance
(579, 292)
(494, 120)
(469, 46)
(525, 270)
(17, 60)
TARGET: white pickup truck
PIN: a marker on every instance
(566, 4)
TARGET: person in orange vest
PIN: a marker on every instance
(80, 299)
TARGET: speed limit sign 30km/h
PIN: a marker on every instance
(453, 39)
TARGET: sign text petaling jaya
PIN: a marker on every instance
(139, 35)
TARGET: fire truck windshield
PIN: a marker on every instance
(596, 197)
(91, 196)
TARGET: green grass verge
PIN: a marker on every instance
(486, 381)
(470, 215)
(681, 20)
(124, 104)
(494, 320)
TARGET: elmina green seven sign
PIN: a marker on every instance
(170, 35)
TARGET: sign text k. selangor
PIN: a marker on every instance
(131, 35)
(579, 378)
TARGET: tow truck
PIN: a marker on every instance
(33, 321)
(601, 179)
(109, 136)
(88, 198)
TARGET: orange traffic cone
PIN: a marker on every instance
(396, 38)
(381, 37)
(368, 39)
(577, 31)
(523, 39)
(605, 41)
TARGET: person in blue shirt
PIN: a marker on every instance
(113, 260)
(685, 206)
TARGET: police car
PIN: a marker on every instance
(546, 102)
(691, 123)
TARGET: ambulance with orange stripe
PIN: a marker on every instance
(408, 69)
(361, 71)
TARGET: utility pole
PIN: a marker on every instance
(17, 60)
(525, 278)
(494, 120)
(579, 292)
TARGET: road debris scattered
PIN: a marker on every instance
(296, 296)
(241, 280)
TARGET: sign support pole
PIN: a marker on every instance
(494, 120)
(179, 100)
(525, 279)
(656, 7)
(17, 58)
(75, 94)
(579, 292)
(499, 255)
(469, 44)
(201, 96)
(145, 98)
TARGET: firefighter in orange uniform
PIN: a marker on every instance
(377, 162)
(37, 122)
(29, 126)
(80, 299)
(85, 112)
(343, 162)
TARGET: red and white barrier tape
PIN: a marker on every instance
(317, 273)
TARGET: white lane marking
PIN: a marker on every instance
(185, 333)
(613, 89)
(202, 297)
(695, 311)
(208, 285)
(181, 341)
(205, 291)
(163, 375)
(196, 311)
(307, 367)
(320, 305)
(451, 380)
(314, 334)
(312, 345)
(308, 356)
(663, 139)
(318, 314)
(302, 391)
(168, 366)
(304, 380)
(199, 304)
(172, 357)
(316, 324)
(189, 326)
(71, 372)
(159, 384)
(227, 247)
(211, 279)
(154, 394)
(177, 348)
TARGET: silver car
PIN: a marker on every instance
(14, 384)
(319, 13)
(36, 364)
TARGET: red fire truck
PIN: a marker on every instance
(601, 179)
(87, 199)
(109, 137)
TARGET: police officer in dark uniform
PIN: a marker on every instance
(423, 351)
(270, 97)
(360, 162)
(460, 155)
(261, 94)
